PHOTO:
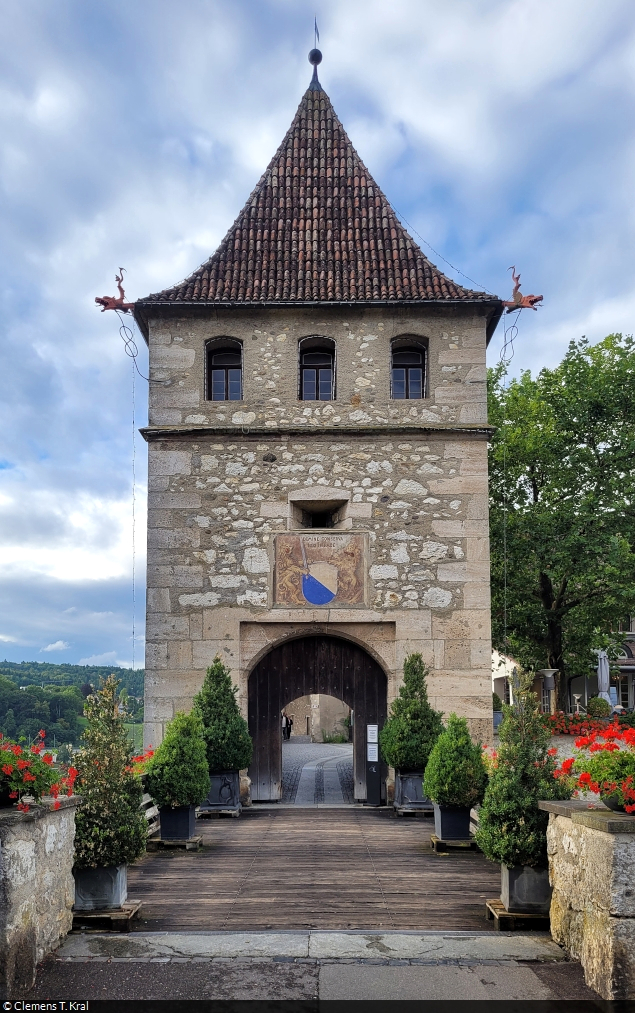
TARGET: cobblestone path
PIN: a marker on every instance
(317, 773)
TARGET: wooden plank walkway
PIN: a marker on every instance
(325, 869)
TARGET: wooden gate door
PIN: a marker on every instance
(318, 664)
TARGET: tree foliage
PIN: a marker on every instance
(110, 828)
(56, 708)
(561, 473)
(455, 774)
(413, 725)
(178, 773)
(43, 673)
(512, 829)
(225, 731)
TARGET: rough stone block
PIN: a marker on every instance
(158, 599)
(163, 627)
(179, 654)
(169, 462)
(174, 500)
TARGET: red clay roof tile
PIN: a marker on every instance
(316, 228)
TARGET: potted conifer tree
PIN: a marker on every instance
(512, 829)
(178, 776)
(110, 828)
(408, 736)
(229, 746)
(455, 780)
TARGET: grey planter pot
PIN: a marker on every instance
(409, 793)
(178, 823)
(525, 888)
(452, 822)
(224, 792)
(498, 717)
(100, 889)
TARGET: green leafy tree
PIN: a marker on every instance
(413, 725)
(562, 478)
(225, 731)
(178, 773)
(512, 829)
(455, 774)
(110, 828)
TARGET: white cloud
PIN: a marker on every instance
(107, 658)
(59, 645)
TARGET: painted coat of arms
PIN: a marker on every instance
(319, 569)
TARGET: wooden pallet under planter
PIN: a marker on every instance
(508, 921)
(405, 811)
(443, 847)
(112, 919)
(187, 844)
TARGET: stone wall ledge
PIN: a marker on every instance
(596, 816)
(36, 887)
(150, 433)
(11, 815)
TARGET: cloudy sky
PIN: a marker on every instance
(132, 133)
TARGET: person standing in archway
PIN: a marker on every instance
(285, 726)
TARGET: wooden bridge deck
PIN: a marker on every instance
(302, 868)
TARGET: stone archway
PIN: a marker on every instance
(311, 664)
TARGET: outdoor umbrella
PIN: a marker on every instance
(604, 680)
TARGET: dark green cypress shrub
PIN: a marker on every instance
(178, 773)
(225, 731)
(413, 726)
(455, 774)
(110, 828)
(512, 829)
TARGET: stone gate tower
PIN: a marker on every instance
(317, 457)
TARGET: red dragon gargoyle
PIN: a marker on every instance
(518, 300)
(109, 302)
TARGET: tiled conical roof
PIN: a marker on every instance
(316, 228)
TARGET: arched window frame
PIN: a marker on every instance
(409, 342)
(317, 343)
(212, 347)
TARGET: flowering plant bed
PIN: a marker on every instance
(30, 772)
(578, 724)
(605, 765)
(574, 724)
(140, 763)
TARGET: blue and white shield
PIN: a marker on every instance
(319, 585)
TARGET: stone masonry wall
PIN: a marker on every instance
(456, 385)
(593, 901)
(215, 506)
(37, 889)
(221, 474)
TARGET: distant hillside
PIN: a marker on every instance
(42, 673)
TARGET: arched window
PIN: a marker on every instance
(224, 370)
(408, 370)
(317, 369)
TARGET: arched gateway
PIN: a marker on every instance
(312, 664)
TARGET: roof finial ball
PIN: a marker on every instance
(315, 57)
